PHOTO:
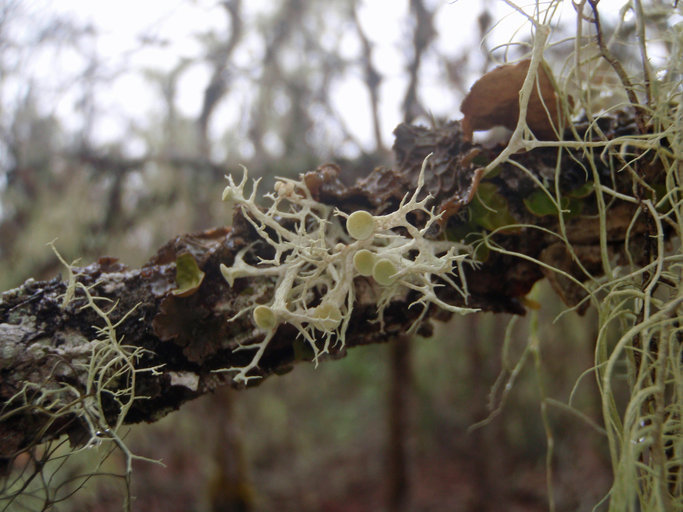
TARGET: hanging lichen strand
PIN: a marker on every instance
(316, 261)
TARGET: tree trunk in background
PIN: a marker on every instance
(479, 440)
(229, 488)
(400, 392)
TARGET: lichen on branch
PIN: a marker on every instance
(319, 252)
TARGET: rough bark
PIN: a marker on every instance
(45, 342)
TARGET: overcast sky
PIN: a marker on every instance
(121, 25)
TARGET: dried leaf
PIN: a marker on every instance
(494, 101)
(324, 177)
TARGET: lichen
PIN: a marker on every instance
(319, 252)
(88, 384)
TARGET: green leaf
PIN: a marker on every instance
(540, 204)
(458, 232)
(575, 207)
(188, 276)
(489, 208)
(583, 191)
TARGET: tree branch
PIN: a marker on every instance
(176, 346)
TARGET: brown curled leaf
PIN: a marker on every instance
(322, 180)
(493, 101)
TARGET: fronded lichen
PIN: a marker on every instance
(318, 252)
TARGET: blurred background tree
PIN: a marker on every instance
(118, 123)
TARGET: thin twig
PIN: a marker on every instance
(618, 69)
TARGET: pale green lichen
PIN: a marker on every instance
(384, 272)
(360, 225)
(364, 262)
(264, 318)
(318, 252)
(87, 380)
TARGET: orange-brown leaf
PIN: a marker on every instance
(494, 101)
